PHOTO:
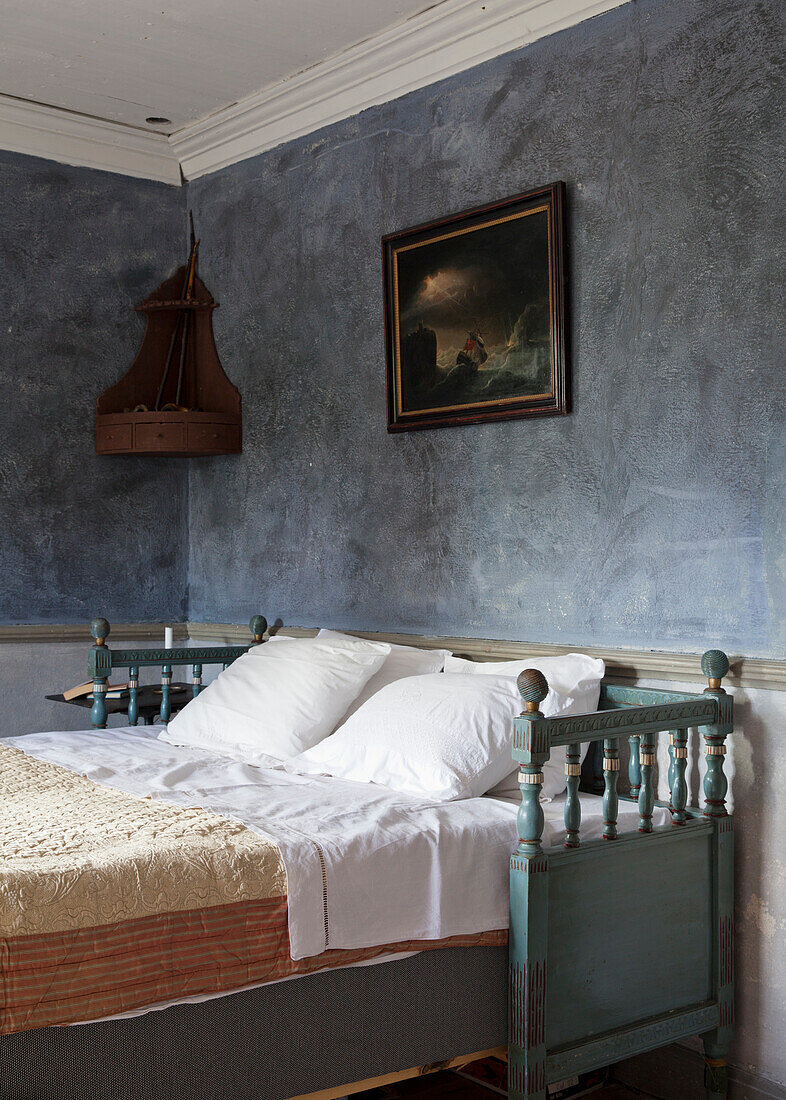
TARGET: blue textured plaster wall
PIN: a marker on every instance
(81, 535)
(651, 516)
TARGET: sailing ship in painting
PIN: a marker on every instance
(433, 377)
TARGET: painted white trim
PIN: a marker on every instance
(451, 36)
(621, 664)
(445, 39)
(70, 138)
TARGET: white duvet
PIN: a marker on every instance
(365, 866)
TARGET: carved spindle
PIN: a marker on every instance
(258, 626)
(715, 665)
(99, 665)
(679, 786)
(634, 765)
(672, 773)
(533, 689)
(196, 687)
(133, 688)
(611, 772)
(647, 789)
(166, 681)
(572, 804)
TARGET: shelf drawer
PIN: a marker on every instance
(115, 437)
(213, 437)
(160, 436)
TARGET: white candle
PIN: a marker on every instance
(169, 637)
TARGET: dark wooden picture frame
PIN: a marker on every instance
(495, 275)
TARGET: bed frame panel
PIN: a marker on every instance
(597, 981)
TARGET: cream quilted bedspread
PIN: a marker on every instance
(74, 854)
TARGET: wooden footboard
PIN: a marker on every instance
(623, 944)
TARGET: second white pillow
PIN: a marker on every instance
(402, 661)
(438, 736)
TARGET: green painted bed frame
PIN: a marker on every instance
(624, 944)
(101, 660)
(598, 971)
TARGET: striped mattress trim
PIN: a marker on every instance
(89, 973)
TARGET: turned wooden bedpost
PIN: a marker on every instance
(647, 757)
(572, 804)
(715, 665)
(529, 899)
(678, 796)
(611, 772)
(99, 666)
(133, 688)
(671, 775)
(634, 765)
(533, 689)
(166, 684)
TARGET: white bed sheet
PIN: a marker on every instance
(395, 868)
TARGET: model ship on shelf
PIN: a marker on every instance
(175, 398)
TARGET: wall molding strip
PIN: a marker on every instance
(80, 632)
(71, 138)
(446, 39)
(621, 664)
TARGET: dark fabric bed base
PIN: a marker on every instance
(277, 1041)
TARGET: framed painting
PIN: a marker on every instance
(475, 315)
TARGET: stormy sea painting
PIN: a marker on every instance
(472, 312)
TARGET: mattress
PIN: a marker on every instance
(368, 873)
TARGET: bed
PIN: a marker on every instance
(440, 990)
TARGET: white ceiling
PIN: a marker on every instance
(123, 60)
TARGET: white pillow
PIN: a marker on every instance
(574, 687)
(575, 676)
(278, 699)
(402, 661)
(436, 736)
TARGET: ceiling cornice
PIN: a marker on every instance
(446, 39)
(71, 138)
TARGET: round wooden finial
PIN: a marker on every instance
(715, 665)
(258, 625)
(533, 687)
(99, 628)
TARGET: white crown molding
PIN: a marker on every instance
(451, 36)
(71, 138)
(447, 38)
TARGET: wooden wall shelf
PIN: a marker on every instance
(167, 434)
(175, 399)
